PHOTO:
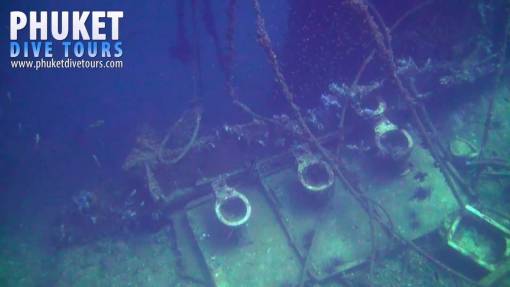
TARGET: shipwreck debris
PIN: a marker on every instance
(480, 238)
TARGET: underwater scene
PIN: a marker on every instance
(255, 143)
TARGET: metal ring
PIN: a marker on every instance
(220, 202)
(304, 165)
(384, 149)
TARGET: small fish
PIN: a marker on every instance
(96, 124)
(96, 160)
(37, 139)
(9, 96)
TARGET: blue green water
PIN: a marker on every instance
(99, 166)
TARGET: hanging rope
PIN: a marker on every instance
(265, 42)
(386, 52)
(365, 64)
(228, 61)
(492, 96)
(365, 203)
(197, 61)
(177, 133)
(388, 56)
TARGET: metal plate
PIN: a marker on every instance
(258, 254)
(342, 238)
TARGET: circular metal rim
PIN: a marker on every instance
(233, 223)
(410, 142)
(311, 187)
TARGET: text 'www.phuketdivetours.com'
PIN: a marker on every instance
(66, 64)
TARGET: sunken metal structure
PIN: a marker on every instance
(299, 193)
